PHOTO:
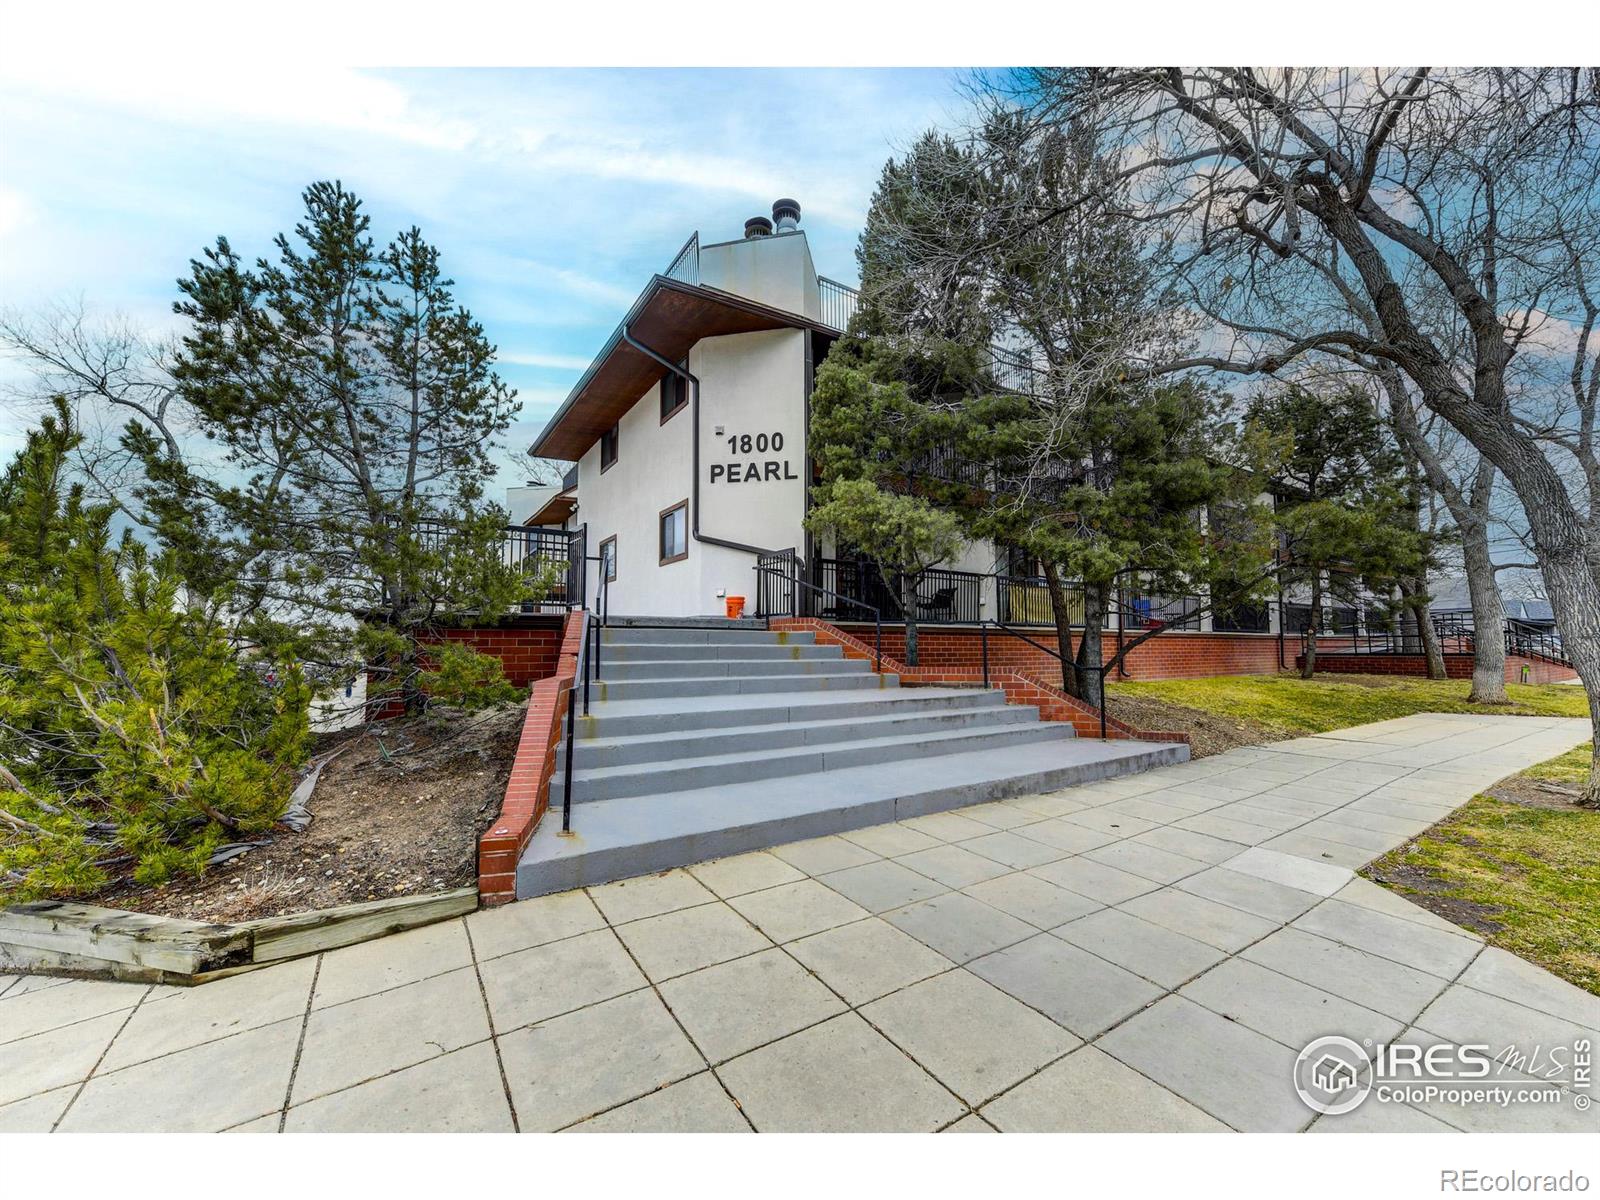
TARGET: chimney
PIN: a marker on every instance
(757, 227)
(786, 215)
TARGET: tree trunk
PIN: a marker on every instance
(1313, 627)
(1070, 678)
(1488, 619)
(1432, 651)
(1086, 667)
(908, 609)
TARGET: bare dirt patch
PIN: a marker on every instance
(1537, 793)
(1209, 732)
(397, 812)
(1426, 890)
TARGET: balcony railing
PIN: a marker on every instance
(685, 267)
(527, 548)
(839, 303)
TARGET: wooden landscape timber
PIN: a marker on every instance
(50, 937)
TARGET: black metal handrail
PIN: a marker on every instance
(1524, 639)
(1100, 668)
(795, 580)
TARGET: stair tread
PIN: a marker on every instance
(884, 719)
(777, 698)
(1046, 732)
(631, 834)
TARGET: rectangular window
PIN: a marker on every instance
(608, 447)
(608, 559)
(675, 533)
(674, 392)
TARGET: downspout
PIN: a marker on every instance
(694, 414)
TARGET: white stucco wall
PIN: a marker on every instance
(751, 384)
(775, 270)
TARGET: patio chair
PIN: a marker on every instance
(942, 601)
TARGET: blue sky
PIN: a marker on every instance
(553, 194)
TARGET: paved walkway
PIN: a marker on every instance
(1146, 953)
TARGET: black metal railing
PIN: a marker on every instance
(1099, 669)
(1535, 641)
(1455, 632)
(941, 597)
(945, 462)
(1025, 600)
(1148, 610)
(839, 302)
(807, 599)
(777, 577)
(525, 548)
(685, 266)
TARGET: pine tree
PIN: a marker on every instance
(1342, 510)
(355, 405)
(873, 425)
(131, 732)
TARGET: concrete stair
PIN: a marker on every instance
(709, 739)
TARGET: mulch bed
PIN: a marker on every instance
(397, 812)
(1209, 733)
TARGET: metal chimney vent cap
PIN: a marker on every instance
(757, 227)
(786, 214)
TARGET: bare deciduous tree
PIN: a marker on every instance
(1335, 212)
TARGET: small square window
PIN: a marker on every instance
(608, 559)
(608, 447)
(674, 392)
(675, 533)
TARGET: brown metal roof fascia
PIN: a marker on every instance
(671, 316)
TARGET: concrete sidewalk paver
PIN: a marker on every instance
(698, 1104)
(377, 1034)
(840, 1077)
(1148, 952)
(970, 1035)
(1091, 1092)
(459, 1092)
(203, 1089)
(204, 1014)
(736, 1006)
(563, 1070)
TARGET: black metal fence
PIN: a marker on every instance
(777, 584)
(942, 597)
(1146, 611)
(526, 548)
(838, 303)
(1535, 641)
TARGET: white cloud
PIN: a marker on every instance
(15, 212)
(536, 358)
(226, 92)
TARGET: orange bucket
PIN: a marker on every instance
(735, 607)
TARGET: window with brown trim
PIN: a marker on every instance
(674, 393)
(674, 539)
(608, 447)
(608, 559)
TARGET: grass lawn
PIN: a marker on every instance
(1519, 865)
(1290, 706)
(1525, 876)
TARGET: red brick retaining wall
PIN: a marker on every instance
(1020, 684)
(528, 789)
(1173, 655)
(528, 652)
